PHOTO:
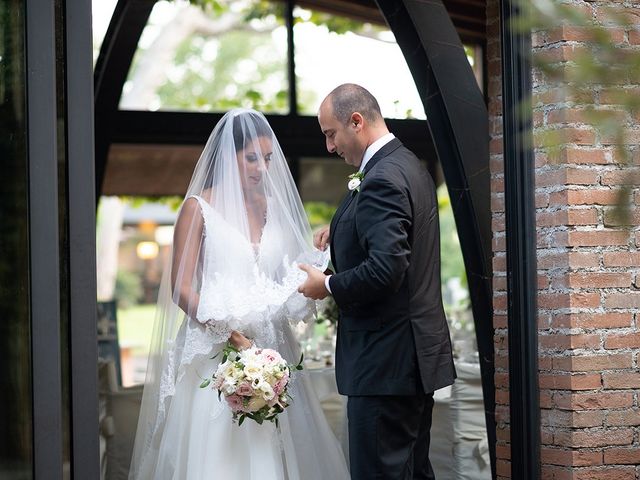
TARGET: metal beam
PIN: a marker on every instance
(299, 136)
(522, 285)
(458, 121)
(44, 239)
(82, 242)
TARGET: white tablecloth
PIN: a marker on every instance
(459, 449)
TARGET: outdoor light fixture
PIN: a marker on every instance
(147, 250)
(164, 235)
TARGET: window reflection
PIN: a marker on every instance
(102, 11)
(16, 419)
(330, 50)
(210, 60)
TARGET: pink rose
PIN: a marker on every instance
(271, 356)
(244, 389)
(234, 402)
(281, 384)
(217, 382)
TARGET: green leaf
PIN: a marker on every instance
(242, 417)
(206, 383)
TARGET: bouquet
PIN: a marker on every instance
(254, 383)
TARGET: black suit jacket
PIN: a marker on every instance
(393, 337)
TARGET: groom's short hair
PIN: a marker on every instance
(349, 97)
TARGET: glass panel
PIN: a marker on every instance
(102, 11)
(323, 180)
(233, 54)
(330, 50)
(16, 420)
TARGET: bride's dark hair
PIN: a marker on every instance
(241, 137)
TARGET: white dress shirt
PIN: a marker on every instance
(368, 153)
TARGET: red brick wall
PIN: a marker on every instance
(588, 268)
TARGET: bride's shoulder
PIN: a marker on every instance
(204, 197)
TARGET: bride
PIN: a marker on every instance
(239, 236)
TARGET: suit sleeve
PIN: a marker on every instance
(383, 221)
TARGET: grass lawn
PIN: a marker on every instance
(135, 326)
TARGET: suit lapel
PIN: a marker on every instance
(346, 201)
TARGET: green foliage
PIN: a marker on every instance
(172, 201)
(334, 23)
(216, 85)
(452, 263)
(328, 312)
(319, 213)
(128, 290)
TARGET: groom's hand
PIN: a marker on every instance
(313, 287)
(321, 238)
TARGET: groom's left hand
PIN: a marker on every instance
(313, 287)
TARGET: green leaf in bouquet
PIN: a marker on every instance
(205, 383)
(242, 417)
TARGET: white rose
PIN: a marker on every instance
(253, 370)
(228, 388)
(354, 183)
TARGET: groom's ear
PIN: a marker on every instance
(357, 120)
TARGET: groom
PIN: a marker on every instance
(393, 348)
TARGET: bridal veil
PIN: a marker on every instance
(240, 233)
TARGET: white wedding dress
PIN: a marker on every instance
(193, 436)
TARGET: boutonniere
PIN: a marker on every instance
(355, 179)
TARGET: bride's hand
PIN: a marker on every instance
(239, 341)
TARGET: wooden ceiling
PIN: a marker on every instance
(469, 16)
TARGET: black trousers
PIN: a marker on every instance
(389, 437)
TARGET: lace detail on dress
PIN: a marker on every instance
(247, 301)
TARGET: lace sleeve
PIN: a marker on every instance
(218, 331)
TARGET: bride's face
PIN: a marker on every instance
(253, 162)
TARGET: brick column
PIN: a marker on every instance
(588, 265)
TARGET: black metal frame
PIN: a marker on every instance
(519, 180)
(458, 124)
(301, 136)
(85, 449)
(458, 121)
(43, 239)
(118, 47)
(297, 134)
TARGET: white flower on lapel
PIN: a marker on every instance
(355, 179)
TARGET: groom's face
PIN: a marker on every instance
(340, 138)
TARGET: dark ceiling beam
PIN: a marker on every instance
(458, 121)
(301, 137)
(361, 10)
